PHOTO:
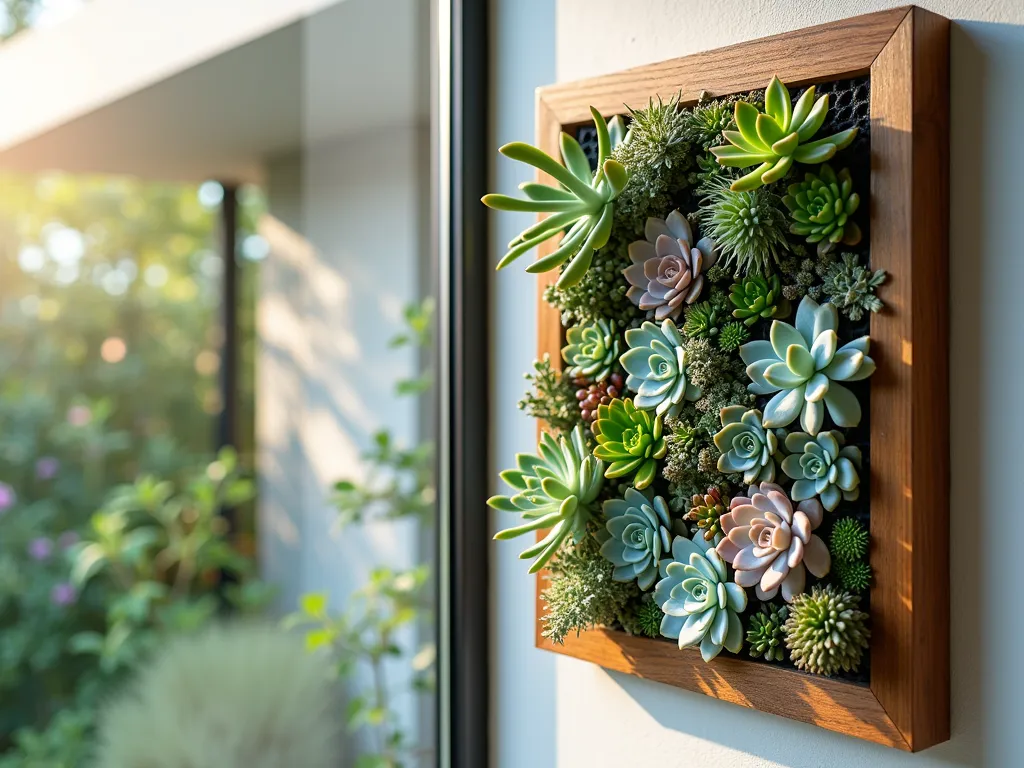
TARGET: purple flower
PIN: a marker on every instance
(79, 415)
(40, 548)
(7, 497)
(47, 468)
(67, 539)
(63, 594)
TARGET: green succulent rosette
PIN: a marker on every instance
(656, 368)
(581, 201)
(556, 489)
(757, 297)
(822, 206)
(805, 366)
(638, 531)
(701, 605)
(822, 466)
(778, 137)
(746, 445)
(630, 440)
(591, 350)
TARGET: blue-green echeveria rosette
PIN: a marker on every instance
(591, 349)
(656, 368)
(822, 466)
(639, 531)
(746, 445)
(556, 489)
(804, 366)
(701, 605)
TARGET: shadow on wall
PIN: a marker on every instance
(987, 362)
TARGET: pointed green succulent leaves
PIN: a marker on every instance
(804, 365)
(776, 138)
(557, 489)
(581, 203)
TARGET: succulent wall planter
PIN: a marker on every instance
(771, 526)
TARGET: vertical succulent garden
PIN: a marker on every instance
(704, 471)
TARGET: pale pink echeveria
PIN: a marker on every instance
(771, 544)
(804, 364)
(667, 270)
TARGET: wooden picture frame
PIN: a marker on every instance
(905, 51)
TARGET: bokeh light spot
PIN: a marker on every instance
(113, 349)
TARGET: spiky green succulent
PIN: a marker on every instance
(822, 206)
(581, 202)
(826, 632)
(776, 138)
(747, 227)
(703, 320)
(556, 489)
(765, 636)
(747, 446)
(851, 287)
(630, 440)
(638, 537)
(701, 605)
(591, 350)
(849, 540)
(803, 365)
(757, 297)
(732, 336)
(648, 618)
(823, 466)
(656, 364)
(855, 577)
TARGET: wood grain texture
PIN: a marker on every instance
(906, 53)
(909, 396)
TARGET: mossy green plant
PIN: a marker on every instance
(776, 138)
(648, 618)
(630, 440)
(581, 202)
(557, 489)
(851, 287)
(703, 320)
(855, 577)
(732, 336)
(849, 541)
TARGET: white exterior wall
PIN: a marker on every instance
(607, 719)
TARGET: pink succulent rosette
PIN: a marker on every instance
(667, 271)
(771, 544)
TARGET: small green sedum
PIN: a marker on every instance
(556, 489)
(630, 440)
(757, 297)
(822, 466)
(822, 206)
(701, 605)
(656, 368)
(778, 137)
(639, 536)
(803, 365)
(592, 349)
(581, 201)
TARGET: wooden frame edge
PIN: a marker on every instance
(906, 49)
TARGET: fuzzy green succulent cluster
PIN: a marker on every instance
(703, 320)
(601, 294)
(551, 397)
(646, 620)
(849, 547)
(826, 632)
(748, 227)
(690, 463)
(658, 156)
(582, 594)
(851, 287)
(732, 336)
(765, 635)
